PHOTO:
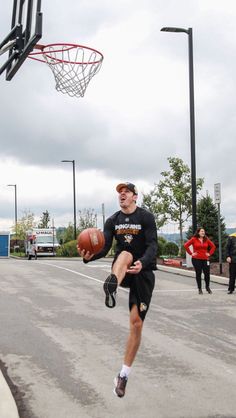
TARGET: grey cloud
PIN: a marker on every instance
(40, 126)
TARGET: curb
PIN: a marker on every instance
(173, 270)
(8, 407)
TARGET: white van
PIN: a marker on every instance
(41, 242)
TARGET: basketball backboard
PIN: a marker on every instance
(25, 31)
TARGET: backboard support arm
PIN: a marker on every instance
(26, 30)
(12, 69)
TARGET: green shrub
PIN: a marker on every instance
(161, 242)
(183, 252)
(171, 249)
(69, 249)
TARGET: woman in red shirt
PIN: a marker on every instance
(202, 249)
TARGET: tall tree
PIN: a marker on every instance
(25, 223)
(44, 220)
(87, 219)
(151, 202)
(68, 234)
(172, 195)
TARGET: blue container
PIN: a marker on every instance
(4, 244)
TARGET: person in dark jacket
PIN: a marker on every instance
(231, 259)
(202, 249)
(135, 232)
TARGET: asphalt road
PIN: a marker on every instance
(63, 347)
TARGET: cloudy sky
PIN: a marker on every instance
(135, 113)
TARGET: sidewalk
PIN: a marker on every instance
(8, 407)
(190, 273)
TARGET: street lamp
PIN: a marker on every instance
(103, 215)
(192, 120)
(14, 185)
(73, 164)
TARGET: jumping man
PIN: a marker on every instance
(134, 230)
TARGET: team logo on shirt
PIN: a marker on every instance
(128, 229)
(142, 307)
(128, 238)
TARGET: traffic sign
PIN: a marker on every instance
(217, 193)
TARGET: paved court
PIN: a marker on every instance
(63, 347)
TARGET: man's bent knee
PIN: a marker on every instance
(125, 257)
(121, 265)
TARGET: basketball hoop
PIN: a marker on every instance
(72, 65)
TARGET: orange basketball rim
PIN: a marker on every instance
(73, 65)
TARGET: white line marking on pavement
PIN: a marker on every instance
(79, 274)
(99, 266)
(122, 288)
(184, 290)
(74, 272)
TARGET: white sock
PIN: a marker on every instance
(125, 371)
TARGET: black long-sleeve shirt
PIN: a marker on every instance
(231, 247)
(135, 233)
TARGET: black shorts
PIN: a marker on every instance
(141, 286)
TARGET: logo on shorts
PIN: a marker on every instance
(143, 307)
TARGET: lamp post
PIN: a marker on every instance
(192, 120)
(14, 185)
(73, 165)
(103, 215)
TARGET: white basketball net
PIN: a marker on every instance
(73, 66)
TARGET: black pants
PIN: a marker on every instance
(199, 266)
(232, 276)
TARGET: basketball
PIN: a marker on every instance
(92, 240)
